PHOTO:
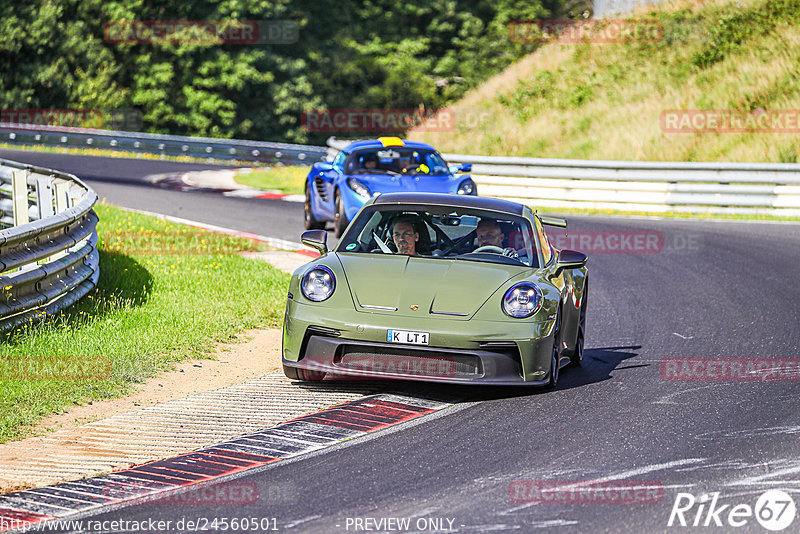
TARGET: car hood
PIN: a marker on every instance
(390, 183)
(416, 286)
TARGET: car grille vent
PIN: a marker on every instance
(408, 362)
(320, 186)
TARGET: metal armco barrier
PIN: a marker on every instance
(48, 244)
(169, 145)
(652, 186)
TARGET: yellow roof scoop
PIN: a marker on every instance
(391, 141)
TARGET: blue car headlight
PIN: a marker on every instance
(467, 187)
(522, 300)
(359, 188)
(318, 283)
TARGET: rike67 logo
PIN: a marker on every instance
(774, 510)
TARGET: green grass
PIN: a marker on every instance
(289, 180)
(605, 100)
(666, 215)
(166, 292)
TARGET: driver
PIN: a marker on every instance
(370, 161)
(405, 235)
(490, 234)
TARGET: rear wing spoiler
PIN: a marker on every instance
(554, 221)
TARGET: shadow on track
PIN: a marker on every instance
(598, 363)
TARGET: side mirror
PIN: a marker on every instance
(462, 167)
(322, 166)
(317, 239)
(570, 259)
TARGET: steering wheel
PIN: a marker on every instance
(488, 248)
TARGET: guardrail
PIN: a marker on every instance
(48, 244)
(168, 145)
(652, 186)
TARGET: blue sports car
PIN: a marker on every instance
(336, 191)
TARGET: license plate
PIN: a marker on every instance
(406, 337)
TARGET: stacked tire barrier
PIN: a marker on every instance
(48, 244)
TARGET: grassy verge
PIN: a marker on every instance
(166, 292)
(605, 100)
(289, 180)
(666, 215)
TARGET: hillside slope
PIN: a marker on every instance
(607, 100)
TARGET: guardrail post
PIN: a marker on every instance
(63, 201)
(19, 195)
(44, 196)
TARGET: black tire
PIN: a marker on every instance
(576, 356)
(552, 381)
(309, 221)
(340, 221)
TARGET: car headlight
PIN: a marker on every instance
(360, 189)
(467, 187)
(318, 283)
(522, 300)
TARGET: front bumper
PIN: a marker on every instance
(461, 352)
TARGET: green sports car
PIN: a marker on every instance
(439, 288)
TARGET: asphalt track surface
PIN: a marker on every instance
(714, 290)
(124, 182)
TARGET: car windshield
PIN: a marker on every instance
(396, 160)
(442, 232)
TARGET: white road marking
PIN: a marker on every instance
(300, 521)
(272, 241)
(762, 479)
(667, 399)
(683, 337)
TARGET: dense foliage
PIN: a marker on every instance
(354, 54)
